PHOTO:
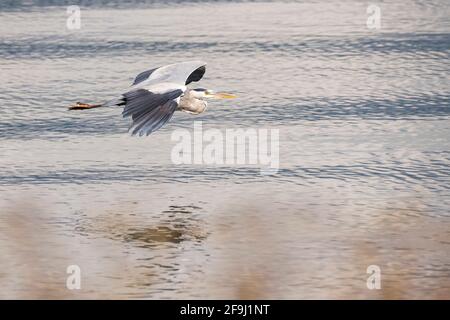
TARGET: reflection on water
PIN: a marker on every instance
(156, 235)
(364, 152)
(177, 225)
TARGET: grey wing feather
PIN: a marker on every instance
(141, 100)
(148, 110)
(153, 120)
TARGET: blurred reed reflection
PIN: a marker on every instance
(242, 251)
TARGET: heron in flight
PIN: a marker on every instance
(157, 93)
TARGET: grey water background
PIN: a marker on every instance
(363, 117)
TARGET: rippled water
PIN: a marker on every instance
(363, 117)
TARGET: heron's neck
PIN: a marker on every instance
(189, 103)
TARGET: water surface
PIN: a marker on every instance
(364, 152)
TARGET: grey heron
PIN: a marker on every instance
(157, 93)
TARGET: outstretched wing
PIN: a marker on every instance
(149, 111)
(181, 73)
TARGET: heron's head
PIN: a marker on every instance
(207, 93)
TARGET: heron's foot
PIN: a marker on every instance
(82, 106)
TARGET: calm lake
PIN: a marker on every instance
(363, 115)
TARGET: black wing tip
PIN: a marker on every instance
(196, 75)
(143, 76)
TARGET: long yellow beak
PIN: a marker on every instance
(222, 95)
